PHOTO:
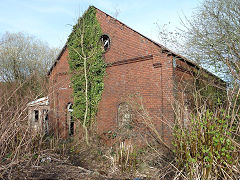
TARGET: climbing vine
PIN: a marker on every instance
(86, 66)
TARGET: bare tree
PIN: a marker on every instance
(22, 55)
(210, 37)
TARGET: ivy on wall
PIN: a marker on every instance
(84, 45)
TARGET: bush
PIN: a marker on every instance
(205, 148)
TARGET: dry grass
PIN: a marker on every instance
(17, 144)
(24, 154)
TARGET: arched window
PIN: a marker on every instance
(70, 119)
(124, 117)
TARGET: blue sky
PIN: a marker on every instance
(52, 20)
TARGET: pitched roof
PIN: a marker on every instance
(57, 59)
(164, 50)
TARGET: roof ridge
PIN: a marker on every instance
(158, 44)
(164, 49)
(183, 58)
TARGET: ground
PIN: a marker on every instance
(89, 162)
(52, 166)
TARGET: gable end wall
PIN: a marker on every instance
(150, 76)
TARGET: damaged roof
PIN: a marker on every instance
(39, 102)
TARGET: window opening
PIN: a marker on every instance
(105, 40)
(36, 115)
(70, 119)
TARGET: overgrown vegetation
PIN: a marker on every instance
(17, 143)
(206, 134)
(204, 148)
(207, 147)
(24, 62)
(87, 66)
(125, 157)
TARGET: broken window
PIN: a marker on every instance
(105, 40)
(124, 115)
(70, 119)
(36, 115)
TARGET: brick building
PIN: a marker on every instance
(137, 65)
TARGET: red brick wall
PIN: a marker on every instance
(154, 85)
(60, 94)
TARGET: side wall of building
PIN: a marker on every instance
(190, 79)
(60, 94)
(39, 124)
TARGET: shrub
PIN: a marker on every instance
(204, 148)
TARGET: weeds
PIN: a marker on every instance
(125, 157)
(18, 145)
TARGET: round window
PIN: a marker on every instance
(105, 40)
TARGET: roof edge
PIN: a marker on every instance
(65, 46)
(57, 59)
(164, 49)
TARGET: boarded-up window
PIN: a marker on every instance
(124, 115)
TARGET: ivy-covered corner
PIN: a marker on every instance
(84, 46)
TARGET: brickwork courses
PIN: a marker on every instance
(136, 65)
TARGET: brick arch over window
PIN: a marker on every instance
(124, 114)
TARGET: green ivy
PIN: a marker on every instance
(84, 40)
